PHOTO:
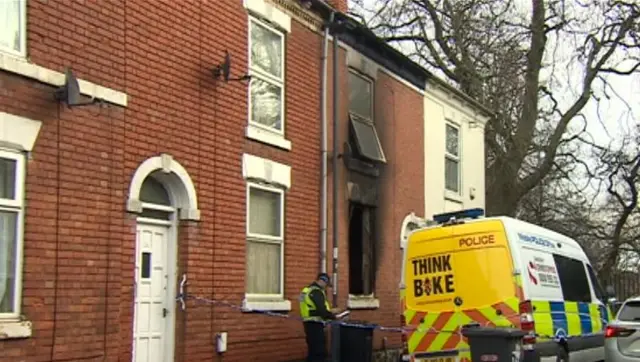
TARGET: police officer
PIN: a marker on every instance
(314, 309)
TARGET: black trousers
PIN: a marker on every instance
(316, 342)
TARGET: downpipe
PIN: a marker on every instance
(335, 332)
(323, 149)
(336, 179)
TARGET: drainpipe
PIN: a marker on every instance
(323, 4)
(335, 332)
(336, 185)
(325, 160)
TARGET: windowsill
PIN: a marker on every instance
(21, 66)
(363, 302)
(452, 196)
(281, 305)
(270, 138)
(13, 329)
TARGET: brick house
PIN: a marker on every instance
(173, 171)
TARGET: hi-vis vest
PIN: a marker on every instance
(308, 307)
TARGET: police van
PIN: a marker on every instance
(462, 269)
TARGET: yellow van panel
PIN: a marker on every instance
(470, 263)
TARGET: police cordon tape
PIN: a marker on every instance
(183, 297)
(290, 317)
(374, 326)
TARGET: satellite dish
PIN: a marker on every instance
(226, 66)
(69, 93)
(224, 70)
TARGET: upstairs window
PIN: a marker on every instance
(363, 134)
(360, 96)
(266, 66)
(13, 20)
(452, 158)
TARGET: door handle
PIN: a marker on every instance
(165, 311)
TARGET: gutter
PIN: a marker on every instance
(354, 26)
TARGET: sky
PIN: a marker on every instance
(608, 120)
(617, 119)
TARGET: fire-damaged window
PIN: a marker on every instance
(362, 131)
(362, 259)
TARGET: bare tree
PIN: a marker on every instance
(620, 214)
(508, 57)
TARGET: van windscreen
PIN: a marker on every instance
(468, 264)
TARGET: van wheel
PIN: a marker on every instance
(562, 355)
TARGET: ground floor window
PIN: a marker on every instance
(11, 220)
(265, 241)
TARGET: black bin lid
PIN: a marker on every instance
(351, 324)
(492, 332)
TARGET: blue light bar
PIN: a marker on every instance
(462, 214)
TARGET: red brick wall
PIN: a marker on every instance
(341, 5)
(399, 117)
(75, 228)
(79, 240)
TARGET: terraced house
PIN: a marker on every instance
(145, 143)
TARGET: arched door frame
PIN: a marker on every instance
(177, 182)
(184, 206)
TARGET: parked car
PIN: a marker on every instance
(622, 335)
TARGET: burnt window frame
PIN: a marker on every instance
(364, 282)
(364, 120)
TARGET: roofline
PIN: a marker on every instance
(350, 25)
(462, 95)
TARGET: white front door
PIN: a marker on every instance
(152, 304)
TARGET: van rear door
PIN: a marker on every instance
(457, 275)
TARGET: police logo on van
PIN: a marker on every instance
(531, 239)
(477, 240)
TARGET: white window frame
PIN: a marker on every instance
(269, 239)
(22, 53)
(452, 157)
(16, 206)
(266, 77)
(372, 84)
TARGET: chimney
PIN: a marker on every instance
(340, 5)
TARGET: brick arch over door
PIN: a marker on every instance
(175, 178)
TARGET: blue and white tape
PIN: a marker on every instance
(184, 297)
